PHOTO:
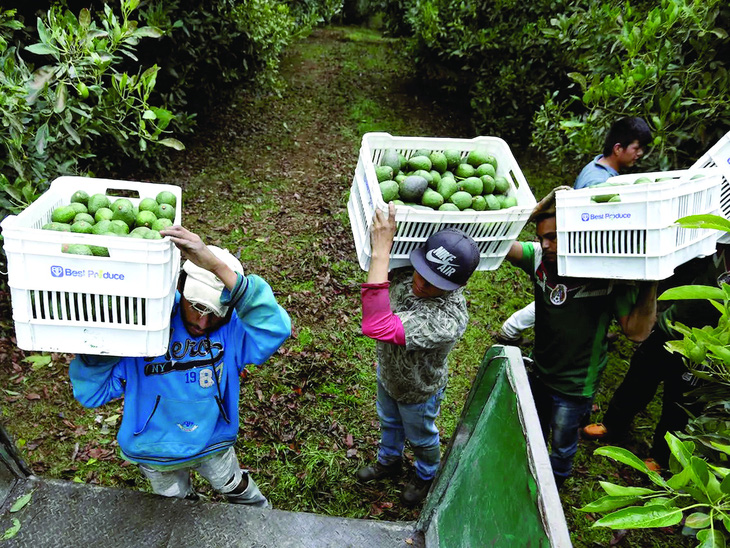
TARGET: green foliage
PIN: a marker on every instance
(61, 111)
(309, 13)
(209, 46)
(395, 14)
(668, 65)
(79, 92)
(696, 491)
(493, 53)
(699, 489)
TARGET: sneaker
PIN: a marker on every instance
(653, 465)
(595, 431)
(416, 490)
(378, 471)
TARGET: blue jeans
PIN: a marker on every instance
(561, 416)
(415, 422)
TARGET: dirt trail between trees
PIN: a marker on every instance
(267, 176)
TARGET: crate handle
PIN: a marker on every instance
(122, 192)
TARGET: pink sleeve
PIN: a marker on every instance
(378, 320)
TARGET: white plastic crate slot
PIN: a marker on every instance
(607, 242)
(57, 306)
(418, 224)
(492, 247)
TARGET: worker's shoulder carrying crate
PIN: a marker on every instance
(493, 231)
(719, 156)
(635, 236)
(118, 305)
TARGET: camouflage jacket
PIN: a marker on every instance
(414, 372)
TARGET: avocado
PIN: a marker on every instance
(412, 188)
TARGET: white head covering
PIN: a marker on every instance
(203, 287)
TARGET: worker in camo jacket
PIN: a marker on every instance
(416, 315)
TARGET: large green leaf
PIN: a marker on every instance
(681, 450)
(11, 531)
(621, 491)
(172, 143)
(725, 485)
(684, 292)
(21, 502)
(700, 471)
(714, 222)
(41, 49)
(608, 503)
(711, 538)
(677, 481)
(625, 456)
(698, 520)
(641, 517)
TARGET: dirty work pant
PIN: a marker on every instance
(220, 469)
(415, 422)
(650, 365)
(560, 417)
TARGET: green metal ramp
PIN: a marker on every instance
(495, 489)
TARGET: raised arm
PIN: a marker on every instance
(378, 320)
(193, 249)
(637, 325)
(514, 255)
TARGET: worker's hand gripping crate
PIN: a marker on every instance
(719, 156)
(493, 231)
(628, 231)
(118, 304)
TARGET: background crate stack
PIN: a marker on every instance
(118, 305)
(636, 238)
(719, 156)
(493, 231)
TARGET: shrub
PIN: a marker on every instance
(72, 102)
(668, 65)
(209, 46)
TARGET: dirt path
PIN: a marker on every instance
(295, 155)
(267, 176)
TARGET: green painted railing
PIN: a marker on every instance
(496, 487)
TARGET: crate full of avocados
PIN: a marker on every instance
(88, 270)
(474, 185)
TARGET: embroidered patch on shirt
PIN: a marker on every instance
(187, 426)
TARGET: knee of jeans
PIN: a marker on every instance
(234, 485)
(176, 490)
(429, 455)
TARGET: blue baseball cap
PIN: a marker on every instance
(447, 260)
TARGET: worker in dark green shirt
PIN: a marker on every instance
(572, 317)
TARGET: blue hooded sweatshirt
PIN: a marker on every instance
(184, 405)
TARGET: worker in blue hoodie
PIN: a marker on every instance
(181, 409)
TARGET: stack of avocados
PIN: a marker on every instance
(98, 214)
(443, 181)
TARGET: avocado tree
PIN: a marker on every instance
(698, 490)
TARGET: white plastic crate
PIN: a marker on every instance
(117, 305)
(719, 156)
(493, 231)
(636, 238)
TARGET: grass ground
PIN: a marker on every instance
(268, 176)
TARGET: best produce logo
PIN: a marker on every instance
(604, 216)
(60, 272)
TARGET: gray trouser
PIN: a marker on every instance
(221, 470)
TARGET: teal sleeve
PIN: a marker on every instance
(527, 262)
(97, 380)
(261, 325)
(625, 299)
